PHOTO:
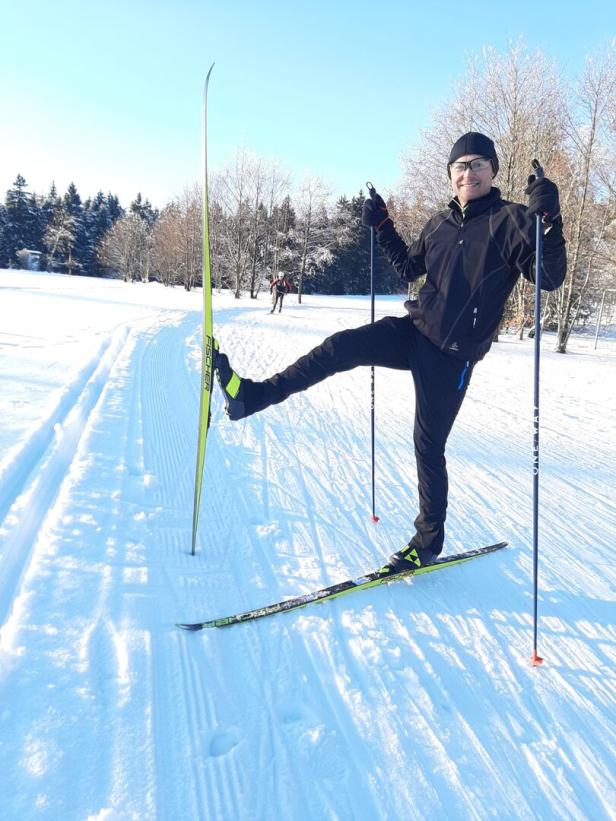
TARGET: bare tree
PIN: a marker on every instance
(126, 247)
(516, 98)
(191, 236)
(219, 257)
(314, 237)
(232, 187)
(177, 254)
(257, 228)
(246, 198)
(60, 237)
(276, 251)
(585, 176)
(165, 254)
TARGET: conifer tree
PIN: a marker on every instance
(49, 206)
(21, 229)
(4, 247)
(77, 250)
(114, 208)
(143, 209)
(97, 222)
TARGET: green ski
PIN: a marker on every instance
(208, 333)
(374, 579)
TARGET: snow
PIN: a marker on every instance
(414, 700)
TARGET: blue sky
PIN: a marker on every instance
(108, 94)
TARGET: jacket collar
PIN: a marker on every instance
(474, 207)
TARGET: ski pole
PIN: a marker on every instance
(375, 518)
(535, 658)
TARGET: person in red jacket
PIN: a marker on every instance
(471, 254)
(279, 288)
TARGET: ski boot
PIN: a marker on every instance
(410, 558)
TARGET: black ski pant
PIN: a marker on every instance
(276, 298)
(440, 386)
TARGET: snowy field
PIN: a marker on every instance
(412, 701)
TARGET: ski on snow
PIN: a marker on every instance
(374, 579)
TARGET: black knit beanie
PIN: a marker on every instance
(473, 143)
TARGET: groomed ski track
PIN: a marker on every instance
(415, 700)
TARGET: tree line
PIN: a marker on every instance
(67, 232)
(262, 222)
(254, 234)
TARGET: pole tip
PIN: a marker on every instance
(536, 660)
(374, 518)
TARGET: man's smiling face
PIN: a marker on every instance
(470, 184)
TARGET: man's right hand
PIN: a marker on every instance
(374, 211)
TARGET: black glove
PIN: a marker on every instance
(542, 197)
(374, 211)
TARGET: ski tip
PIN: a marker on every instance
(191, 627)
(206, 83)
(492, 547)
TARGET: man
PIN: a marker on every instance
(471, 254)
(278, 289)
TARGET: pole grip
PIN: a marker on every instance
(538, 169)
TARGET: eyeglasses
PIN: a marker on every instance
(478, 164)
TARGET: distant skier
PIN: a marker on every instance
(279, 288)
(472, 255)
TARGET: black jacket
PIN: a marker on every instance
(472, 259)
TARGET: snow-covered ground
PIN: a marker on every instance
(415, 700)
